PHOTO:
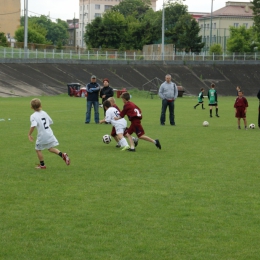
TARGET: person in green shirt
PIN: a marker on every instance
(213, 99)
(200, 99)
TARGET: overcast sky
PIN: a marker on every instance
(65, 9)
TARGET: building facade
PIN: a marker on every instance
(9, 17)
(73, 26)
(89, 10)
(233, 14)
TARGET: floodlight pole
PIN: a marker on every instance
(210, 40)
(26, 30)
(163, 32)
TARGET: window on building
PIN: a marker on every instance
(236, 25)
(201, 26)
(245, 24)
(214, 25)
(208, 26)
(97, 7)
(97, 15)
(107, 7)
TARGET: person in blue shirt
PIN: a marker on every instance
(92, 89)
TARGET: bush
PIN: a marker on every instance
(216, 49)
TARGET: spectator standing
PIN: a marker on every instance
(106, 92)
(168, 92)
(92, 99)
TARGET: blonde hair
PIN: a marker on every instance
(112, 100)
(36, 104)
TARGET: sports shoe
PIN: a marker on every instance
(157, 144)
(210, 115)
(195, 107)
(40, 167)
(136, 141)
(217, 115)
(118, 146)
(66, 158)
(125, 148)
(131, 150)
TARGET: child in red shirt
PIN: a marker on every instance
(240, 106)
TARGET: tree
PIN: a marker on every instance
(216, 49)
(33, 36)
(256, 13)
(3, 40)
(242, 40)
(135, 8)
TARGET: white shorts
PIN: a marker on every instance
(40, 147)
(120, 125)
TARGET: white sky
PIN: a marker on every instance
(65, 9)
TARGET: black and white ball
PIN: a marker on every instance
(252, 126)
(106, 139)
(205, 123)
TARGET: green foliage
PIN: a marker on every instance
(242, 40)
(33, 36)
(197, 198)
(256, 12)
(53, 32)
(3, 40)
(216, 49)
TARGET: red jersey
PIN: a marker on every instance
(115, 106)
(241, 102)
(132, 111)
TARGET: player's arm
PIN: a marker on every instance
(102, 121)
(30, 133)
(97, 88)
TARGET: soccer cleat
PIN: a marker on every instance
(118, 146)
(238, 128)
(136, 141)
(194, 107)
(157, 144)
(131, 150)
(43, 167)
(217, 115)
(210, 115)
(66, 158)
(125, 148)
(203, 108)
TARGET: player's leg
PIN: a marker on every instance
(64, 156)
(259, 116)
(210, 110)
(238, 123)
(202, 105)
(96, 110)
(196, 105)
(88, 113)
(41, 159)
(164, 107)
(217, 111)
(171, 110)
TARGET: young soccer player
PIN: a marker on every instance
(213, 100)
(240, 106)
(45, 138)
(119, 125)
(134, 114)
(113, 132)
(200, 98)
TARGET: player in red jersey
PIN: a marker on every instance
(134, 114)
(113, 131)
(240, 106)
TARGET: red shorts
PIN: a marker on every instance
(240, 112)
(136, 127)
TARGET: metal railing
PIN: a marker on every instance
(13, 53)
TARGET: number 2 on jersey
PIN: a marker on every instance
(44, 124)
(137, 112)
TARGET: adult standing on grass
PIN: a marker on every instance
(168, 92)
(92, 99)
(213, 100)
(258, 96)
(106, 92)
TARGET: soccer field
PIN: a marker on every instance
(197, 198)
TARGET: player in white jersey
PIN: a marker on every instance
(45, 137)
(120, 125)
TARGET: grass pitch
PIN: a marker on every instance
(197, 198)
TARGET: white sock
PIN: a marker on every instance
(123, 142)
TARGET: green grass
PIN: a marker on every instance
(197, 198)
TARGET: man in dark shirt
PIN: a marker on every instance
(92, 89)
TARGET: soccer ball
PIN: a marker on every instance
(205, 123)
(252, 126)
(106, 139)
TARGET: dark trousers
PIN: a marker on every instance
(165, 104)
(259, 116)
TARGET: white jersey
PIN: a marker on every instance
(110, 114)
(42, 121)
